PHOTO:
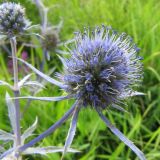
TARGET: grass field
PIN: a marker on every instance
(141, 20)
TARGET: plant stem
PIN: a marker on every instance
(43, 11)
(16, 92)
(49, 130)
(43, 14)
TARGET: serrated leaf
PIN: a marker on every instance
(46, 150)
(11, 111)
(5, 135)
(46, 77)
(30, 130)
(20, 83)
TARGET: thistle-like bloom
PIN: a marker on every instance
(12, 19)
(102, 71)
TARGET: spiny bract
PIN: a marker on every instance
(103, 68)
(12, 20)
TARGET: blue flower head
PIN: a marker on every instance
(103, 68)
(12, 19)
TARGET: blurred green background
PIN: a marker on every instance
(141, 20)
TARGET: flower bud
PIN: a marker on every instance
(12, 19)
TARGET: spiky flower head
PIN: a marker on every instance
(12, 19)
(51, 40)
(103, 68)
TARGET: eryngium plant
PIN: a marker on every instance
(102, 71)
(12, 19)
